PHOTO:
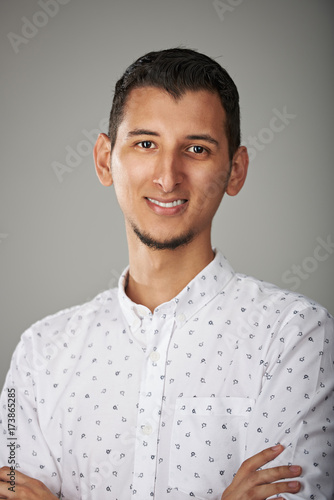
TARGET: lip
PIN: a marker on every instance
(175, 210)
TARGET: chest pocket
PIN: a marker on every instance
(208, 444)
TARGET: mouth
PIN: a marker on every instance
(170, 204)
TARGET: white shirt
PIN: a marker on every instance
(115, 402)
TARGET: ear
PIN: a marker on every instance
(239, 171)
(102, 159)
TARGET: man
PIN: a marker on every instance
(189, 380)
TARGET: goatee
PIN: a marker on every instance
(168, 244)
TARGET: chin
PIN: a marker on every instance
(171, 243)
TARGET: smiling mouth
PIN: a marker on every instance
(167, 205)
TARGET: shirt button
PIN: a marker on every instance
(142, 311)
(147, 429)
(181, 317)
(155, 356)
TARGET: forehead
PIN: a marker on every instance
(200, 108)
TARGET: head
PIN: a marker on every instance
(173, 149)
(177, 71)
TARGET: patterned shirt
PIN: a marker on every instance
(114, 401)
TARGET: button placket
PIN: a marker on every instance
(150, 404)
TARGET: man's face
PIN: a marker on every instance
(170, 165)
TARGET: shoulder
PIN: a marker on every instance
(72, 322)
(268, 294)
(277, 308)
(286, 327)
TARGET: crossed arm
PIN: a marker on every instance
(248, 484)
(310, 421)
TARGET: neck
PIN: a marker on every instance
(156, 276)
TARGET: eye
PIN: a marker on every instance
(146, 144)
(197, 149)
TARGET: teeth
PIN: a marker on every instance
(167, 205)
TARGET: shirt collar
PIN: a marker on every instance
(199, 291)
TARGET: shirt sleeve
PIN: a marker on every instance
(32, 454)
(296, 406)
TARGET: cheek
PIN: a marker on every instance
(128, 178)
(211, 190)
(121, 170)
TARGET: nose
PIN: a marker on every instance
(168, 173)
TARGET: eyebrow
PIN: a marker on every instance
(196, 137)
(203, 137)
(141, 131)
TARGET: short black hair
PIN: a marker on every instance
(177, 71)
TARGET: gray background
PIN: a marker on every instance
(61, 238)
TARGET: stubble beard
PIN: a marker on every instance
(172, 243)
(168, 244)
